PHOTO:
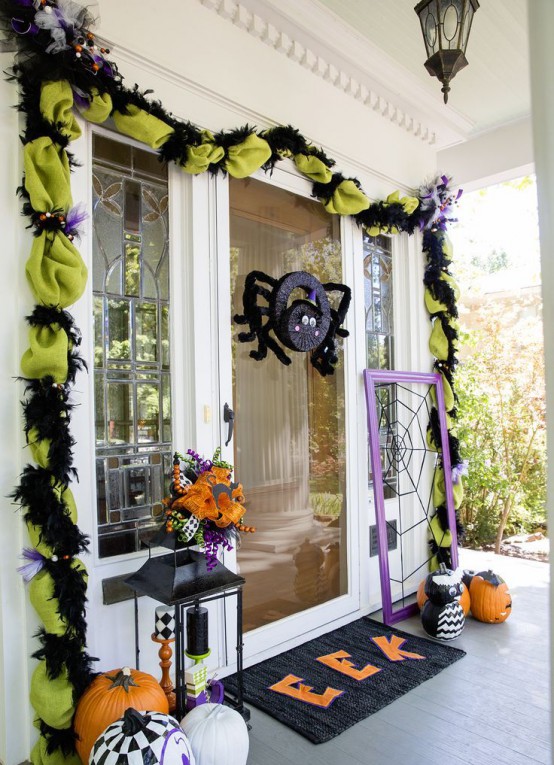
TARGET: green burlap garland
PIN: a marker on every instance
(57, 277)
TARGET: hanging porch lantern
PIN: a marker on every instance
(446, 25)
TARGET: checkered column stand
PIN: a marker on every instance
(164, 627)
(164, 633)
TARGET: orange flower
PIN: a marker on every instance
(213, 497)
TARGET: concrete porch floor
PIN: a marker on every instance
(490, 707)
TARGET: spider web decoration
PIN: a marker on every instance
(400, 406)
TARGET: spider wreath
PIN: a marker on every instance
(307, 324)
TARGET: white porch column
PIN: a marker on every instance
(541, 34)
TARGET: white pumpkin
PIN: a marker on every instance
(218, 735)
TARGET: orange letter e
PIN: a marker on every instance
(339, 661)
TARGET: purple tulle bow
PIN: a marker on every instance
(80, 98)
(437, 204)
(35, 564)
(74, 218)
(462, 468)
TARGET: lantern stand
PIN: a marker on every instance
(182, 579)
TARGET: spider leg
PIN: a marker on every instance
(274, 345)
(254, 313)
(263, 291)
(245, 337)
(259, 276)
(324, 357)
(261, 353)
(251, 291)
(344, 304)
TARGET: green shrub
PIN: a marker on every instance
(501, 425)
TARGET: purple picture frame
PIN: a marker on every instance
(372, 377)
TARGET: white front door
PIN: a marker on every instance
(291, 444)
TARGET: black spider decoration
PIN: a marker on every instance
(307, 324)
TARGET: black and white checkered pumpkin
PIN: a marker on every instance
(142, 737)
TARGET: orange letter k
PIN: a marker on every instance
(392, 648)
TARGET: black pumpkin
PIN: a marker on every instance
(443, 585)
(444, 622)
(467, 576)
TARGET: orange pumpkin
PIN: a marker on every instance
(464, 599)
(107, 698)
(491, 601)
(421, 596)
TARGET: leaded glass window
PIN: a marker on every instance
(131, 344)
(379, 325)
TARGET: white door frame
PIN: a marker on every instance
(294, 629)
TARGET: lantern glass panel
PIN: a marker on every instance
(469, 10)
(450, 23)
(429, 20)
(430, 33)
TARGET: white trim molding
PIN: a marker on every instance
(302, 35)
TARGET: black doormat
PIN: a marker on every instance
(324, 686)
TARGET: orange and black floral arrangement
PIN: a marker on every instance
(206, 506)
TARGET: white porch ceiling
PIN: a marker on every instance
(377, 45)
(491, 91)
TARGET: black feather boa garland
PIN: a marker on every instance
(44, 508)
(60, 654)
(47, 406)
(62, 740)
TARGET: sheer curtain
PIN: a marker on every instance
(277, 451)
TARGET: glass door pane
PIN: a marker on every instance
(289, 443)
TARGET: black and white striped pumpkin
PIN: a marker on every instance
(443, 585)
(142, 737)
(445, 621)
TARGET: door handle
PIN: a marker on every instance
(229, 417)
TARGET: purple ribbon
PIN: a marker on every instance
(35, 563)
(21, 27)
(462, 468)
(81, 99)
(74, 218)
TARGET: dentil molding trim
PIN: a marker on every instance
(282, 38)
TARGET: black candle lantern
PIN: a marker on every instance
(183, 579)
